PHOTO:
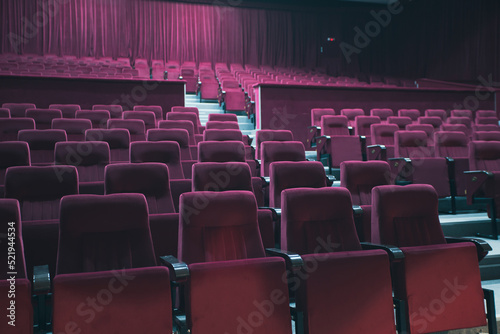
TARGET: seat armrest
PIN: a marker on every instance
(357, 210)
(41, 279)
(276, 211)
(474, 182)
(293, 260)
(312, 133)
(330, 179)
(395, 254)
(179, 271)
(482, 246)
(376, 152)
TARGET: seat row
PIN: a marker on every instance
(107, 267)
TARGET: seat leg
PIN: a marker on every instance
(401, 321)
(489, 296)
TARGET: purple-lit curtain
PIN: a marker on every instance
(160, 30)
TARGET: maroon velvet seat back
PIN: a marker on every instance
(441, 113)
(360, 177)
(466, 121)
(484, 155)
(167, 152)
(221, 151)
(453, 144)
(406, 216)
(10, 127)
(427, 128)
(486, 113)
(222, 125)
(67, 110)
(414, 114)
(435, 121)
(334, 125)
(301, 174)
(487, 127)
(135, 127)
(382, 113)
(486, 120)
(317, 113)
(400, 121)
(411, 144)
(75, 128)
(222, 134)
(148, 117)
(185, 116)
(115, 110)
(487, 135)
(194, 110)
(461, 113)
(280, 151)
(4, 113)
(18, 109)
(179, 124)
(18, 290)
(147, 178)
(99, 118)
(351, 114)
(43, 117)
(158, 111)
(223, 117)
(270, 135)
(88, 157)
(181, 136)
(310, 217)
(117, 139)
(104, 233)
(142, 293)
(216, 176)
(12, 153)
(224, 228)
(42, 144)
(383, 134)
(363, 124)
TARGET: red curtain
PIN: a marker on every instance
(160, 30)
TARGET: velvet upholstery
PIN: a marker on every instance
(280, 151)
(89, 158)
(158, 111)
(218, 226)
(39, 191)
(334, 125)
(181, 136)
(484, 155)
(222, 125)
(285, 175)
(487, 127)
(10, 127)
(4, 113)
(185, 116)
(75, 128)
(167, 152)
(383, 134)
(67, 110)
(347, 277)
(148, 117)
(222, 134)
(486, 120)
(441, 113)
(221, 151)
(42, 144)
(382, 113)
(411, 144)
(135, 127)
(433, 274)
(121, 299)
(117, 139)
(486, 113)
(12, 153)
(363, 124)
(461, 113)
(429, 131)
(222, 297)
(487, 136)
(456, 127)
(99, 118)
(270, 135)
(222, 117)
(18, 109)
(115, 110)
(318, 113)
(43, 117)
(108, 232)
(351, 114)
(414, 114)
(435, 121)
(179, 124)
(400, 121)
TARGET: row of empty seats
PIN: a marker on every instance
(105, 241)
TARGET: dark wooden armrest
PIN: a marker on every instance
(482, 246)
(376, 152)
(178, 270)
(474, 182)
(293, 260)
(395, 254)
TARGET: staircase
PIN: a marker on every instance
(207, 108)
